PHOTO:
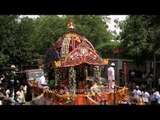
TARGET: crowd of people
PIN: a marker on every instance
(12, 92)
(142, 96)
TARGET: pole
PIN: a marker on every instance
(125, 71)
(117, 71)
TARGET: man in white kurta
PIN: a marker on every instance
(137, 93)
(111, 77)
(43, 82)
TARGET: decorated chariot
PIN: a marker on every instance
(73, 61)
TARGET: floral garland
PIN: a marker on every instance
(97, 71)
(58, 75)
(72, 80)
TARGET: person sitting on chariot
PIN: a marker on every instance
(43, 82)
(95, 89)
(96, 78)
(103, 87)
(60, 88)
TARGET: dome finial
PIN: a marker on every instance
(70, 26)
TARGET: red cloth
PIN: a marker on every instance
(116, 51)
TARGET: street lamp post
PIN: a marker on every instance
(125, 72)
(118, 69)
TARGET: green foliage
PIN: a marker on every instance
(107, 49)
(3, 59)
(7, 38)
(93, 27)
(140, 36)
(23, 39)
(15, 44)
(47, 30)
(24, 47)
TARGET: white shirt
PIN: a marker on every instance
(137, 94)
(111, 73)
(42, 82)
(1, 103)
(154, 96)
(158, 95)
(13, 93)
(7, 92)
(145, 96)
(20, 97)
(25, 89)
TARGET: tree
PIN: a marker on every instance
(24, 49)
(140, 37)
(7, 39)
(22, 39)
(47, 30)
(107, 49)
(93, 27)
(15, 40)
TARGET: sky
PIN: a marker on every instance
(111, 24)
